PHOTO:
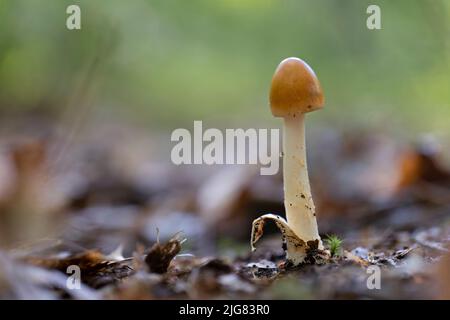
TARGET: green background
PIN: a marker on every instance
(166, 63)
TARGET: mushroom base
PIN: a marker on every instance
(297, 251)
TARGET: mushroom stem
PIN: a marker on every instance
(300, 210)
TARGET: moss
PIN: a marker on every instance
(334, 244)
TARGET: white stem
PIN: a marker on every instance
(300, 210)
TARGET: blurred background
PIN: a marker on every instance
(165, 63)
(86, 117)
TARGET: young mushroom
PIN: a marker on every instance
(295, 90)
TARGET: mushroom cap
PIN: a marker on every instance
(295, 89)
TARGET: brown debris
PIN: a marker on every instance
(160, 255)
(421, 165)
(29, 210)
(205, 281)
(85, 260)
(96, 270)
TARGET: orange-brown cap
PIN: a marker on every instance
(295, 89)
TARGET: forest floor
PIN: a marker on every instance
(138, 227)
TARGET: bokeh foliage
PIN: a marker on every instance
(169, 62)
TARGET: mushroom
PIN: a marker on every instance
(295, 91)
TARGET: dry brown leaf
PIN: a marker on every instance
(160, 255)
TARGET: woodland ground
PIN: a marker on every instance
(185, 231)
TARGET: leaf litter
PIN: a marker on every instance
(399, 223)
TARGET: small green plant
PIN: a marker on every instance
(334, 243)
